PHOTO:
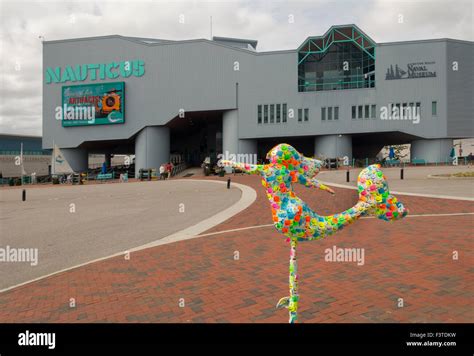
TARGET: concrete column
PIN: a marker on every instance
(332, 146)
(247, 151)
(78, 158)
(230, 134)
(431, 150)
(248, 146)
(152, 147)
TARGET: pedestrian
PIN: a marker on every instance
(162, 172)
(169, 169)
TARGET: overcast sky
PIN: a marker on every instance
(22, 22)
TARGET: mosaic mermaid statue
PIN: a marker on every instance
(295, 219)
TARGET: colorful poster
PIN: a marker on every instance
(93, 104)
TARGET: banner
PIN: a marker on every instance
(93, 104)
(59, 164)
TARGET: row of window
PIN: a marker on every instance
(405, 109)
(364, 111)
(332, 113)
(271, 113)
(300, 115)
(399, 109)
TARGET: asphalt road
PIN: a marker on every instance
(70, 225)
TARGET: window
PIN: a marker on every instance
(278, 114)
(330, 113)
(418, 109)
(434, 108)
(373, 112)
(265, 114)
(300, 115)
(366, 111)
(343, 59)
(259, 112)
(323, 114)
(284, 112)
(272, 113)
(306, 114)
(354, 112)
(359, 112)
(336, 113)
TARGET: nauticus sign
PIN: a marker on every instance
(95, 71)
(412, 70)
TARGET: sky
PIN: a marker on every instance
(277, 25)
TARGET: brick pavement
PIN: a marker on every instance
(410, 259)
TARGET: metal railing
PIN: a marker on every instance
(25, 153)
(178, 168)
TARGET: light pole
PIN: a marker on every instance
(337, 151)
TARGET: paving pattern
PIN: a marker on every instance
(201, 280)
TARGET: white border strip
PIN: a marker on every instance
(364, 217)
(249, 195)
(403, 193)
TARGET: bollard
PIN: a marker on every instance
(228, 183)
(23, 195)
(347, 176)
(401, 174)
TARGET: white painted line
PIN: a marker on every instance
(234, 230)
(249, 195)
(424, 215)
(364, 217)
(337, 185)
(452, 197)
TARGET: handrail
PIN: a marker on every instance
(178, 168)
(25, 153)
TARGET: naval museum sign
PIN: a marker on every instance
(413, 70)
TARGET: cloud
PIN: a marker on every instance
(22, 22)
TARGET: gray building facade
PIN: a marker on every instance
(338, 94)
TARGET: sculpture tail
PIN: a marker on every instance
(373, 189)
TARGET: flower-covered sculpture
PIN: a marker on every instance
(295, 219)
